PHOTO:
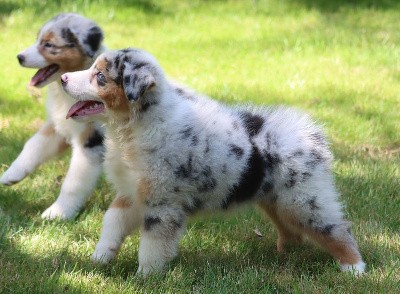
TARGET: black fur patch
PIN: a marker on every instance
(140, 65)
(252, 122)
(224, 169)
(69, 37)
(250, 180)
(305, 176)
(150, 221)
(207, 145)
(146, 106)
(127, 80)
(117, 60)
(292, 178)
(312, 203)
(236, 150)
(177, 223)
(95, 139)
(195, 140)
(131, 97)
(272, 159)
(297, 153)
(327, 229)
(187, 132)
(93, 39)
(267, 187)
(318, 138)
(184, 94)
(207, 181)
(185, 171)
(191, 208)
(315, 159)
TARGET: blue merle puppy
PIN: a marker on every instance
(171, 154)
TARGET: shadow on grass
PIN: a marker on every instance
(200, 266)
(334, 6)
(6, 8)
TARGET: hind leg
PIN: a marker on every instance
(314, 210)
(285, 234)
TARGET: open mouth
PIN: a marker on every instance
(43, 74)
(83, 108)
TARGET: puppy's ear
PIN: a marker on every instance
(92, 40)
(69, 37)
(137, 80)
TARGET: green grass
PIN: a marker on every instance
(338, 60)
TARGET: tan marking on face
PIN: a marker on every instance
(144, 189)
(47, 130)
(68, 58)
(121, 202)
(111, 93)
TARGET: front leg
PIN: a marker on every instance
(123, 216)
(45, 144)
(160, 235)
(81, 179)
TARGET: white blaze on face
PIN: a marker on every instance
(33, 58)
(79, 86)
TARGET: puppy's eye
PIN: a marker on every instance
(100, 77)
(48, 45)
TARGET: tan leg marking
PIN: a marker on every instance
(47, 130)
(343, 247)
(121, 202)
(144, 189)
(345, 251)
(84, 137)
(284, 233)
(62, 146)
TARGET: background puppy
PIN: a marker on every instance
(68, 42)
(170, 155)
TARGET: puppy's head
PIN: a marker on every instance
(68, 42)
(120, 84)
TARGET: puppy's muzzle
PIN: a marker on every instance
(64, 80)
(21, 58)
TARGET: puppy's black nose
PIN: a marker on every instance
(64, 79)
(21, 58)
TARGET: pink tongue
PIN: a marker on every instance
(43, 74)
(82, 108)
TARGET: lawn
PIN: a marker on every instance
(338, 60)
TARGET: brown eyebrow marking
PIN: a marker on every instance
(101, 64)
(47, 37)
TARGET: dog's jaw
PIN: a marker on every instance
(89, 107)
(85, 108)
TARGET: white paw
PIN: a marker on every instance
(144, 271)
(58, 211)
(357, 269)
(13, 176)
(103, 254)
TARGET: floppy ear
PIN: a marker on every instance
(136, 81)
(92, 40)
(69, 37)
